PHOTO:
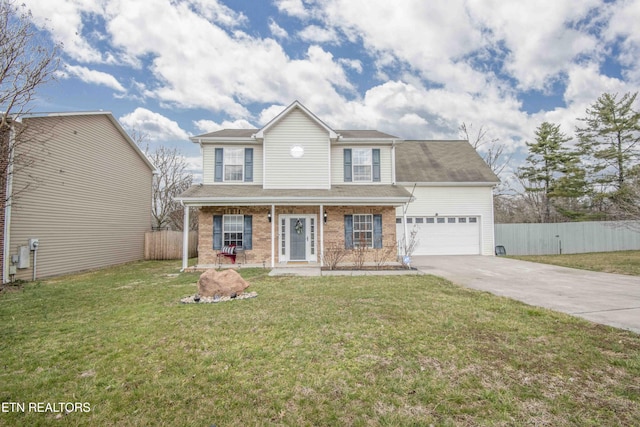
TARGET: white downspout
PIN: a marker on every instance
(185, 238)
(404, 223)
(393, 162)
(7, 210)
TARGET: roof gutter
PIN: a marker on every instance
(279, 201)
(451, 184)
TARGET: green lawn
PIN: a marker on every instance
(622, 262)
(361, 351)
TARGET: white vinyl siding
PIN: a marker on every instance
(454, 202)
(209, 162)
(91, 205)
(337, 164)
(311, 170)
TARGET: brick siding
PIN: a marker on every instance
(261, 238)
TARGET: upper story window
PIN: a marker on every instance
(362, 165)
(233, 164)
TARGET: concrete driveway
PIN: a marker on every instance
(609, 299)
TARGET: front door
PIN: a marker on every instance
(297, 238)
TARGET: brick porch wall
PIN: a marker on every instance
(334, 229)
(261, 235)
(261, 239)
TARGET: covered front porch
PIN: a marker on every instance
(275, 228)
(280, 236)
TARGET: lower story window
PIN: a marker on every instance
(363, 231)
(232, 230)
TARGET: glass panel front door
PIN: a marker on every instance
(298, 239)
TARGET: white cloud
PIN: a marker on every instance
(354, 64)
(430, 36)
(316, 34)
(292, 8)
(154, 125)
(537, 37)
(219, 13)
(64, 19)
(623, 27)
(440, 63)
(276, 30)
(239, 69)
(206, 126)
(92, 77)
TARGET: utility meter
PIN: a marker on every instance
(33, 244)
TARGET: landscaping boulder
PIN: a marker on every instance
(226, 283)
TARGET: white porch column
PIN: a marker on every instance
(185, 239)
(273, 235)
(321, 216)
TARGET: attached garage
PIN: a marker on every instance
(452, 204)
(451, 235)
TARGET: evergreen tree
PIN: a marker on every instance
(610, 145)
(552, 169)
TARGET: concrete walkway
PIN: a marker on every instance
(316, 271)
(609, 299)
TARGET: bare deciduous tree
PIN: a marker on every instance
(171, 179)
(27, 62)
(493, 152)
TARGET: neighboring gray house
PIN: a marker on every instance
(86, 198)
(296, 188)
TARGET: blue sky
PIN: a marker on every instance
(413, 68)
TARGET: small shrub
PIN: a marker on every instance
(384, 255)
(333, 254)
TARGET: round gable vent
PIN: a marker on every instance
(297, 151)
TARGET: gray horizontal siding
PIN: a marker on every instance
(571, 237)
(91, 206)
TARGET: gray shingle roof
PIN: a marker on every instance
(367, 134)
(229, 133)
(247, 133)
(441, 161)
(342, 194)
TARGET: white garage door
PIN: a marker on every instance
(444, 235)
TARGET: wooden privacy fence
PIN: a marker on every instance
(167, 244)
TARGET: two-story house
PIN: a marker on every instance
(77, 195)
(295, 188)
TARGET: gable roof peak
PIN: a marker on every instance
(295, 104)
